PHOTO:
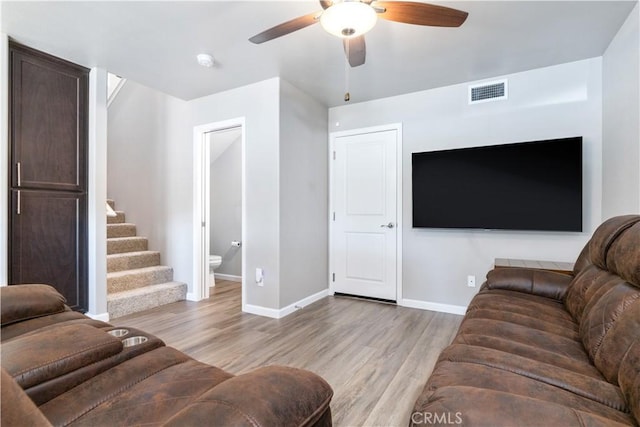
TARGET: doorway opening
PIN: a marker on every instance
(225, 205)
(219, 229)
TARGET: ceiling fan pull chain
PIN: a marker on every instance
(347, 95)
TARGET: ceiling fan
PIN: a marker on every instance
(351, 19)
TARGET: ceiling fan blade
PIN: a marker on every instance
(355, 50)
(420, 13)
(286, 28)
(326, 3)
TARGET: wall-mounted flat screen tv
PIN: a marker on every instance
(523, 186)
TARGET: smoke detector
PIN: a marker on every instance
(205, 60)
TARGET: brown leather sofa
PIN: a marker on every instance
(62, 368)
(538, 348)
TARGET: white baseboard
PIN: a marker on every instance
(279, 314)
(303, 303)
(192, 297)
(104, 317)
(433, 306)
(230, 277)
(260, 311)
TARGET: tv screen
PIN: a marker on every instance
(524, 186)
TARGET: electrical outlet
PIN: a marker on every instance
(471, 281)
(259, 276)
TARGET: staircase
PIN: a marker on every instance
(135, 279)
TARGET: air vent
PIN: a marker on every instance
(485, 92)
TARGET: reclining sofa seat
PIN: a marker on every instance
(62, 368)
(541, 348)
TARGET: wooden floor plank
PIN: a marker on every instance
(376, 356)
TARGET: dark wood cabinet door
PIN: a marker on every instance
(48, 121)
(48, 133)
(48, 242)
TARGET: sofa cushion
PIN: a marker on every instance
(623, 257)
(592, 387)
(600, 316)
(611, 327)
(240, 401)
(544, 355)
(468, 376)
(587, 288)
(523, 309)
(17, 408)
(22, 302)
(490, 408)
(629, 378)
(605, 235)
(521, 303)
(525, 335)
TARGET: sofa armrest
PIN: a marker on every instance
(17, 408)
(269, 396)
(23, 302)
(545, 283)
(43, 356)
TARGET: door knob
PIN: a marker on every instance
(390, 225)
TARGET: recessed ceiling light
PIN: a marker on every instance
(205, 60)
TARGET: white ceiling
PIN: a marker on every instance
(155, 43)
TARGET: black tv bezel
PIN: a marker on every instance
(580, 227)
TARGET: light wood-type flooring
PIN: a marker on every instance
(377, 357)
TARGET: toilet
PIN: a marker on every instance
(214, 262)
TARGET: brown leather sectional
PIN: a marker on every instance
(62, 368)
(538, 348)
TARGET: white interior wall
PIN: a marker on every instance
(553, 102)
(303, 195)
(621, 121)
(258, 104)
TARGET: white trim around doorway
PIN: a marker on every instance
(201, 171)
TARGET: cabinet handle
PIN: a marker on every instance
(18, 166)
(18, 204)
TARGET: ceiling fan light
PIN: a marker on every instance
(348, 19)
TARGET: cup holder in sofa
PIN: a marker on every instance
(118, 333)
(131, 341)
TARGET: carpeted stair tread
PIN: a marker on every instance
(111, 203)
(118, 219)
(119, 245)
(121, 230)
(136, 278)
(132, 301)
(132, 260)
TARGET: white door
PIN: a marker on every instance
(364, 223)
